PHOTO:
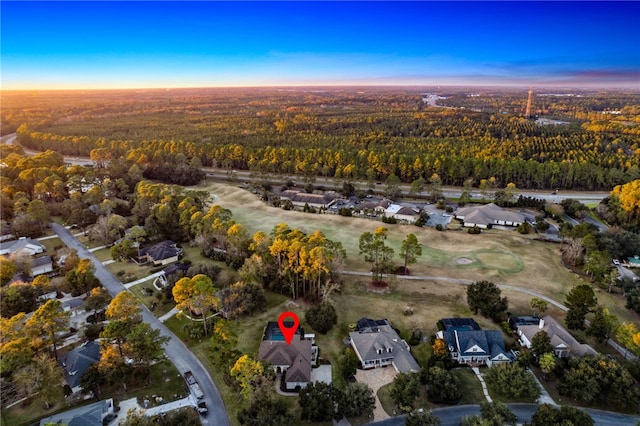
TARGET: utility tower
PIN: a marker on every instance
(527, 113)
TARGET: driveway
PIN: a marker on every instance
(375, 378)
(175, 349)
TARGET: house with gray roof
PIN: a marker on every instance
(470, 345)
(22, 246)
(41, 265)
(564, 344)
(488, 215)
(295, 360)
(162, 253)
(404, 213)
(377, 344)
(300, 198)
(87, 415)
(77, 361)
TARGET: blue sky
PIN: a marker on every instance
(122, 44)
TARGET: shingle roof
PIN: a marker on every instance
(558, 335)
(488, 214)
(77, 361)
(490, 342)
(162, 250)
(41, 261)
(21, 244)
(375, 335)
(296, 355)
(87, 415)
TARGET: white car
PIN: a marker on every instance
(616, 262)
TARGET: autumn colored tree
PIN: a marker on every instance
(45, 325)
(197, 296)
(248, 373)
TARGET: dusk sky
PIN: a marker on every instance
(121, 44)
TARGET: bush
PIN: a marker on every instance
(322, 317)
(474, 231)
(439, 227)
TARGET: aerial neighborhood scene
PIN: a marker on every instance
(320, 213)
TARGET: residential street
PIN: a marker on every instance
(176, 351)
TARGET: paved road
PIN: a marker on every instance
(451, 416)
(176, 351)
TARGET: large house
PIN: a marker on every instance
(468, 344)
(77, 361)
(377, 344)
(22, 246)
(162, 253)
(564, 344)
(87, 415)
(488, 215)
(41, 265)
(294, 360)
(300, 198)
(403, 213)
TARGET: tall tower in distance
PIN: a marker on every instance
(527, 113)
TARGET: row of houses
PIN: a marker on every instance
(482, 216)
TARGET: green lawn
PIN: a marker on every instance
(152, 298)
(128, 271)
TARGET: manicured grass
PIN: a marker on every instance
(470, 386)
(131, 271)
(51, 245)
(103, 254)
(148, 295)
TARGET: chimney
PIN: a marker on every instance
(541, 325)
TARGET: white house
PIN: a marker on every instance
(22, 246)
(564, 344)
(488, 215)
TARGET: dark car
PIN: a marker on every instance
(202, 408)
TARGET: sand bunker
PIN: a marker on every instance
(463, 261)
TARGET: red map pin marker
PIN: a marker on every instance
(288, 332)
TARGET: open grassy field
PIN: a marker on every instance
(497, 255)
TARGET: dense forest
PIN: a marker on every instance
(347, 133)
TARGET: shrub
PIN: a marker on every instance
(322, 317)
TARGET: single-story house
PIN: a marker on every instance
(162, 253)
(470, 345)
(300, 198)
(77, 361)
(87, 415)
(564, 344)
(22, 246)
(294, 360)
(41, 265)
(488, 215)
(377, 344)
(376, 206)
(405, 213)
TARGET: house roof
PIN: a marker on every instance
(558, 335)
(310, 198)
(41, 261)
(297, 356)
(87, 415)
(375, 335)
(488, 214)
(174, 268)
(489, 342)
(77, 361)
(15, 246)
(162, 250)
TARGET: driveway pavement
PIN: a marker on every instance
(375, 378)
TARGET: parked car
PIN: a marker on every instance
(202, 408)
(616, 262)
